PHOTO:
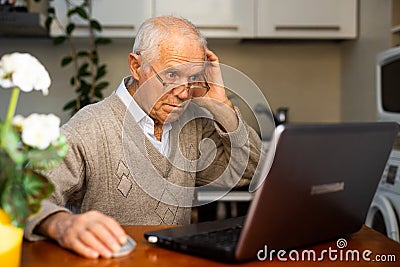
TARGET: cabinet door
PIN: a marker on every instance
(214, 18)
(123, 17)
(120, 18)
(327, 19)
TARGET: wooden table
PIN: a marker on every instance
(48, 254)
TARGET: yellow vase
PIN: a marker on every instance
(10, 242)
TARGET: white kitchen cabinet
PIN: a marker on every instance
(319, 19)
(120, 18)
(278, 19)
(214, 18)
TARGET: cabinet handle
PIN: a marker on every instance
(307, 27)
(109, 27)
(218, 27)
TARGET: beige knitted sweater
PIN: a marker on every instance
(113, 168)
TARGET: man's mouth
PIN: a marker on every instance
(176, 106)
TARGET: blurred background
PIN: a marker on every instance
(318, 78)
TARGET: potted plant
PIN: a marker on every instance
(87, 70)
(28, 146)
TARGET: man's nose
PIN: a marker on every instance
(182, 92)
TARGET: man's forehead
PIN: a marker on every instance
(178, 49)
(193, 67)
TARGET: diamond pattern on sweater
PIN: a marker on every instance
(167, 213)
(124, 186)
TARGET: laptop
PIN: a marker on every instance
(319, 187)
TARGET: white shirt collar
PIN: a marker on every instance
(128, 100)
(144, 121)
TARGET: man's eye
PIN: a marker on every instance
(171, 75)
(194, 78)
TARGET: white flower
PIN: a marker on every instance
(24, 71)
(39, 131)
(18, 121)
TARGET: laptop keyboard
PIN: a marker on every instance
(224, 239)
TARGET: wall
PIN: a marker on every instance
(60, 90)
(304, 76)
(359, 59)
(320, 81)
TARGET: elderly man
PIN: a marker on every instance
(136, 156)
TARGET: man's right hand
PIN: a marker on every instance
(91, 234)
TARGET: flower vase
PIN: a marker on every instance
(10, 242)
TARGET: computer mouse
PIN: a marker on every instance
(125, 249)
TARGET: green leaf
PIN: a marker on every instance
(49, 158)
(99, 75)
(51, 11)
(83, 74)
(85, 101)
(59, 40)
(94, 57)
(102, 68)
(7, 167)
(72, 81)
(70, 28)
(101, 71)
(83, 53)
(66, 60)
(83, 67)
(48, 22)
(84, 87)
(11, 138)
(98, 94)
(13, 201)
(23, 194)
(36, 186)
(83, 70)
(81, 12)
(95, 25)
(71, 12)
(101, 86)
(102, 41)
(70, 104)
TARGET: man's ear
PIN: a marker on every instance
(134, 65)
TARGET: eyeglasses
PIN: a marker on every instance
(196, 85)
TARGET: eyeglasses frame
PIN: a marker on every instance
(165, 84)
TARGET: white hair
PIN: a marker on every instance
(155, 30)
